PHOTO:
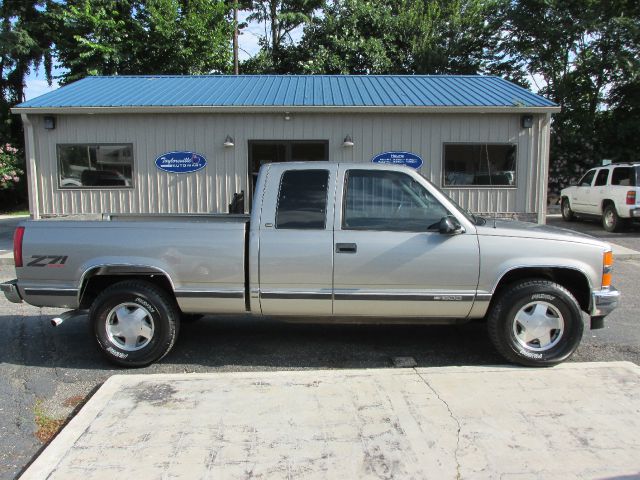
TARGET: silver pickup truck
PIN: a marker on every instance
(325, 242)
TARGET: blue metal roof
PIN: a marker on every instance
(290, 91)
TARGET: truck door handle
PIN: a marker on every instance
(346, 248)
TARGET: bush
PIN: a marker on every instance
(12, 183)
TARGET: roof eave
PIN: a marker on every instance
(282, 109)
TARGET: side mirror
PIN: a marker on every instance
(449, 226)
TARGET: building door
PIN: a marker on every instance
(275, 151)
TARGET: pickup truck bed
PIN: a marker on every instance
(202, 256)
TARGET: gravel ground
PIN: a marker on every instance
(45, 371)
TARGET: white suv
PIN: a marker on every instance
(611, 192)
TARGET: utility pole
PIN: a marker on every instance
(236, 69)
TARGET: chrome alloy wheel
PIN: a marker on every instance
(130, 326)
(538, 326)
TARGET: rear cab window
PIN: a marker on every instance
(302, 200)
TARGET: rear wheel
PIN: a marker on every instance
(135, 323)
(611, 222)
(536, 323)
(567, 213)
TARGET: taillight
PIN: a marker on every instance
(607, 265)
(631, 197)
(17, 246)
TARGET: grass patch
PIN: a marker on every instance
(47, 426)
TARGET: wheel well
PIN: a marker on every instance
(94, 285)
(572, 280)
(606, 202)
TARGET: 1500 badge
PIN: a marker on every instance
(47, 260)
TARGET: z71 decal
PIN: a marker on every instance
(47, 261)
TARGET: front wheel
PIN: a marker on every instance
(536, 323)
(135, 323)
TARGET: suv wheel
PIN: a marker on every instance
(536, 323)
(135, 323)
(611, 222)
(567, 213)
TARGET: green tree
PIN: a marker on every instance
(354, 37)
(25, 41)
(405, 36)
(117, 37)
(580, 51)
(280, 18)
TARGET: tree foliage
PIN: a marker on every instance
(116, 37)
(582, 54)
(585, 53)
(279, 18)
(25, 41)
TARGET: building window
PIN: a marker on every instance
(302, 200)
(275, 151)
(389, 201)
(479, 164)
(95, 166)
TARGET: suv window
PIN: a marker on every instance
(587, 179)
(389, 201)
(302, 200)
(601, 179)
(625, 176)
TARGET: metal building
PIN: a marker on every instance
(187, 144)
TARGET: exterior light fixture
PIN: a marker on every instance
(348, 142)
(287, 116)
(527, 121)
(228, 142)
(49, 123)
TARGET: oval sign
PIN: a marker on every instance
(181, 162)
(399, 158)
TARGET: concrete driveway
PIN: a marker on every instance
(572, 421)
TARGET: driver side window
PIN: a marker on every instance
(388, 201)
(587, 179)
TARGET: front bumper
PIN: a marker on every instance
(604, 301)
(10, 290)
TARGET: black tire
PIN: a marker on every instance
(522, 299)
(611, 222)
(567, 213)
(148, 315)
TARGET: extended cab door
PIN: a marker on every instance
(296, 240)
(390, 259)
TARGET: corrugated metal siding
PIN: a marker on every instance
(211, 189)
(292, 91)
